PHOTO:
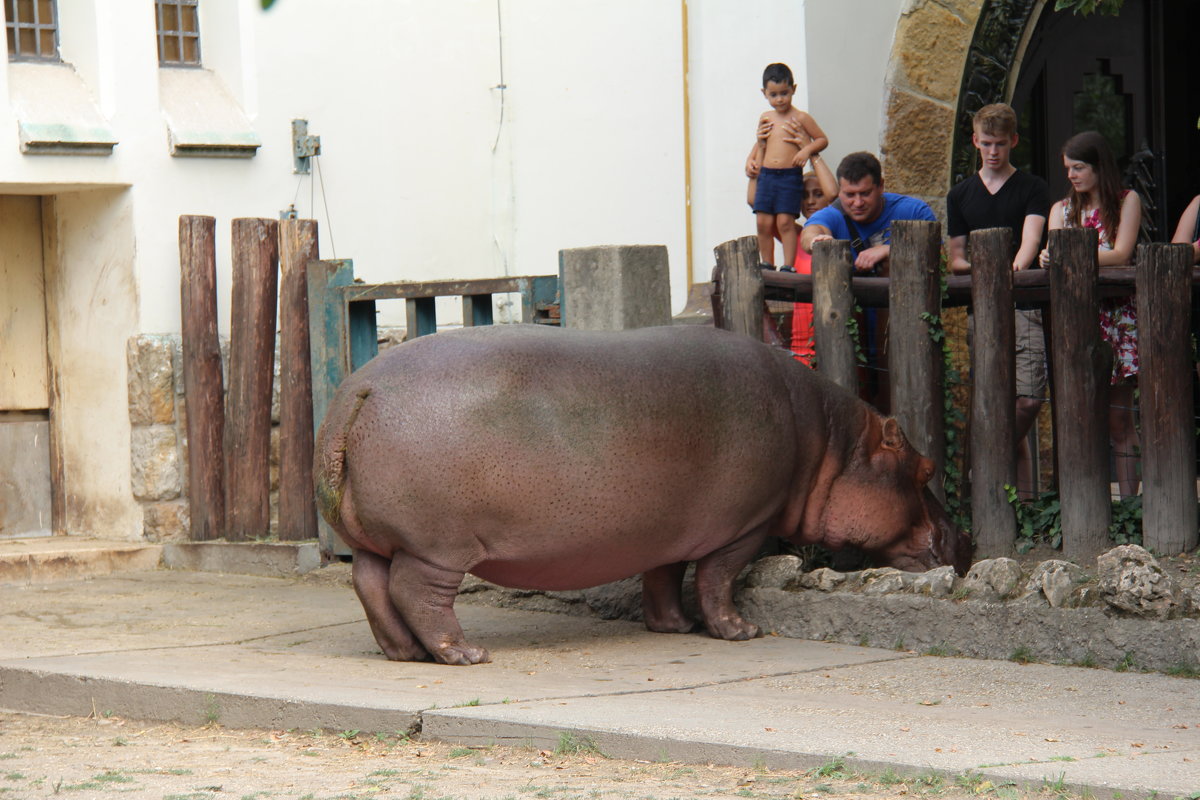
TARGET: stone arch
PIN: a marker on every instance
(949, 58)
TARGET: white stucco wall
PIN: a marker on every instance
(730, 44)
(849, 43)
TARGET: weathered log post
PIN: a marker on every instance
(203, 386)
(833, 306)
(1163, 283)
(1082, 367)
(251, 373)
(915, 297)
(993, 411)
(740, 279)
(297, 513)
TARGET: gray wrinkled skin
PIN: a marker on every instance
(554, 459)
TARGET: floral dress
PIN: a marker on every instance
(1118, 315)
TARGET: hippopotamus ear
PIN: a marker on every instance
(893, 437)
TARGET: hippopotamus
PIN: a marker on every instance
(540, 458)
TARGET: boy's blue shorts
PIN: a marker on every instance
(779, 191)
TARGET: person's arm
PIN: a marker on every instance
(1053, 223)
(957, 254)
(817, 140)
(754, 160)
(872, 257)
(1187, 227)
(812, 234)
(1127, 233)
(828, 183)
(1031, 237)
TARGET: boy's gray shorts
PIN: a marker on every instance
(1030, 344)
(1031, 352)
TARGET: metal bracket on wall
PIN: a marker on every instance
(304, 147)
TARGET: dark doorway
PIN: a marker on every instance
(1131, 77)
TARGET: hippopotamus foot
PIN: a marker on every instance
(715, 574)
(424, 595)
(662, 599)
(370, 573)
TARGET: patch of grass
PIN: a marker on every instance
(969, 780)
(6, 756)
(1058, 785)
(570, 744)
(1127, 662)
(824, 788)
(459, 752)
(1183, 670)
(889, 778)
(864, 641)
(383, 773)
(1088, 660)
(1022, 655)
(941, 649)
(112, 777)
(834, 768)
(212, 710)
(120, 741)
(899, 644)
(1062, 758)
(961, 593)
(14, 776)
(468, 703)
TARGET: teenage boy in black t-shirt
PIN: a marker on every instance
(1002, 196)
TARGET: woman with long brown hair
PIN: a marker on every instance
(1096, 200)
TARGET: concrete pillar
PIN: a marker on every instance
(614, 287)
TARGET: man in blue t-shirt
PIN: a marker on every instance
(863, 213)
(870, 210)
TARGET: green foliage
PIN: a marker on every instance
(957, 506)
(834, 768)
(1084, 7)
(1039, 521)
(1127, 662)
(852, 327)
(1126, 526)
(1022, 655)
(570, 744)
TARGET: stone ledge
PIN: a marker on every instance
(266, 559)
(60, 559)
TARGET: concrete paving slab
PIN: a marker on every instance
(297, 653)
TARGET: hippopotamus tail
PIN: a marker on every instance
(329, 484)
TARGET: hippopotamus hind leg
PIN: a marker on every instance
(715, 574)
(370, 574)
(424, 594)
(662, 599)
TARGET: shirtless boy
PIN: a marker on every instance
(778, 163)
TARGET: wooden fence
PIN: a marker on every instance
(1069, 292)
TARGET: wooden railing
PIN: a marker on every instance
(1164, 281)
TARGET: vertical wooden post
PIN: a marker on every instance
(993, 401)
(476, 310)
(832, 306)
(915, 360)
(1164, 277)
(1082, 368)
(741, 284)
(297, 513)
(251, 370)
(420, 316)
(203, 387)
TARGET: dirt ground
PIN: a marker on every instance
(89, 758)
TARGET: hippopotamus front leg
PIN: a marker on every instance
(715, 574)
(662, 599)
(371, 573)
(424, 594)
